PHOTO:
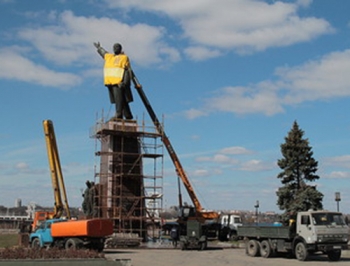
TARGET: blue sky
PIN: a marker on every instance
(229, 77)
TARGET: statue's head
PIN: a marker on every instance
(117, 48)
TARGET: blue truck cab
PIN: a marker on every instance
(42, 235)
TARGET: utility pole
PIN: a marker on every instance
(337, 199)
(257, 212)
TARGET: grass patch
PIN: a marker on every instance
(8, 240)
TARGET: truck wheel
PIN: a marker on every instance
(301, 252)
(265, 249)
(202, 245)
(70, 244)
(334, 255)
(35, 243)
(100, 247)
(252, 248)
(234, 236)
(174, 243)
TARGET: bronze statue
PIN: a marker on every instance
(117, 78)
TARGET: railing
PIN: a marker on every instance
(122, 125)
(15, 218)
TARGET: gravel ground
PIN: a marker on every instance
(213, 256)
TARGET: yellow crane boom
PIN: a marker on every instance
(59, 190)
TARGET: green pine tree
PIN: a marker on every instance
(298, 167)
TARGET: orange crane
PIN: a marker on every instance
(59, 190)
(207, 215)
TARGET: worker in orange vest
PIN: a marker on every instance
(117, 78)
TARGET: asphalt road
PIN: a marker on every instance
(212, 256)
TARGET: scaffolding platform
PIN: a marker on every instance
(129, 181)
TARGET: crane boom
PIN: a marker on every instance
(59, 190)
(179, 169)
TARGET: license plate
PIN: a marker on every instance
(337, 247)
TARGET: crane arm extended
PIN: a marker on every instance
(179, 169)
(59, 190)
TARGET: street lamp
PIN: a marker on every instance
(337, 199)
(256, 212)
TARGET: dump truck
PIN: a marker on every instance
(308, 233)
(72, 234)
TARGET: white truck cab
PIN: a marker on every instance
(308, 232)
(317, 227)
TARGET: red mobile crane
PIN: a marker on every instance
(200, 213)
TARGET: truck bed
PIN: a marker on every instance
(81, 228)
(264, 231)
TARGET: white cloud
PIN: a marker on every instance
(71, 40)
(194, 113)
(322, 79)
(195, 137)
(262, 98)
(224, 159)
(304, 3)
(218, 158)
(199, 53)
(200, 172)
(205, 173)
(13, 65)
(30, 177)
(319, 79)
(67, 40)
(22, 166)
(256, 165)
(224, 156)
(338, 161)
(24, 171)
(235, 150)
(212, 28)
(339, 175)
(242, 25)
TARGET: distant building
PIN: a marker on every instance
(18, 203)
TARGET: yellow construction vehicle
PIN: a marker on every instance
(56, 228)
(61, 206)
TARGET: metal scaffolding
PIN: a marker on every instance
(129, 181)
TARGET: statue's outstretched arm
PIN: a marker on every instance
(100, 49)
